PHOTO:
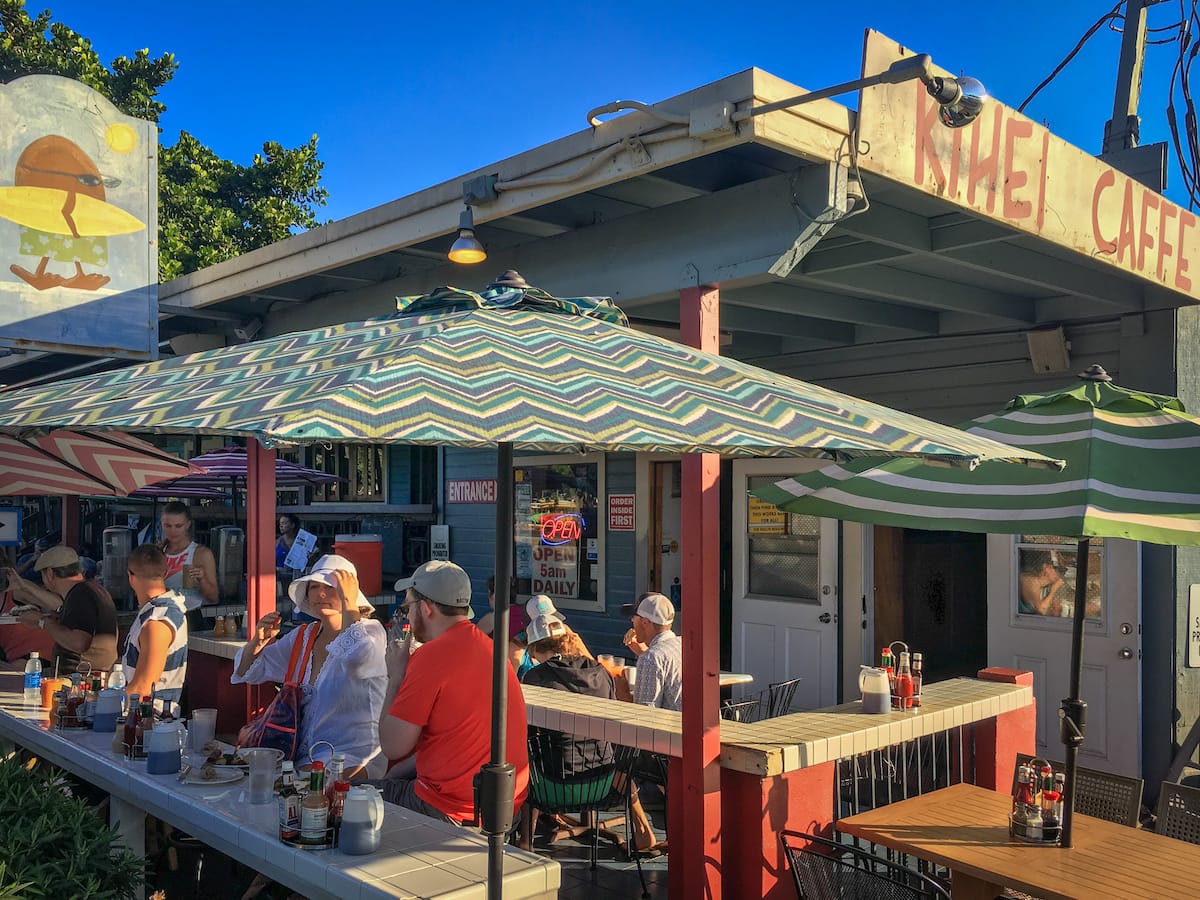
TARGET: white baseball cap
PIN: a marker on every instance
(541, 605)
(653, 607)
(542, 627)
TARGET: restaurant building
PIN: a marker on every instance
(940, 272)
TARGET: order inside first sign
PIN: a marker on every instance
(620, 512)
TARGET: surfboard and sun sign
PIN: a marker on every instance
(78, 222)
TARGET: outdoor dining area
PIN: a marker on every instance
(737, 775)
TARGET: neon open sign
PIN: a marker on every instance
(562, 529)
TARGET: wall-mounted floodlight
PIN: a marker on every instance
(466, 248)
(961, 99)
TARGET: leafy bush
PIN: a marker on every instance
(54, 846)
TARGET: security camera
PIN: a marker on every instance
(248, 329)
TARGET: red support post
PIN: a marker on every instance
(72, 521)
(695, 805)
(999, 740)
(260, 537)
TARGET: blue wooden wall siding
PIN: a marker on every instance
(473, 540)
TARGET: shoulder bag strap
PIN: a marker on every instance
(307, 638)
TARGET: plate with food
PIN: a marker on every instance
(211, 775)
(223, 755)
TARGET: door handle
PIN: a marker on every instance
(825, 617)
(1125, 653)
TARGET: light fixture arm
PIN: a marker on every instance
(920, 66)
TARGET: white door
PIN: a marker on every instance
(785, 592)
(1034, 634)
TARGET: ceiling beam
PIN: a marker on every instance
(898, 285)
(741, 319)
(803, 300)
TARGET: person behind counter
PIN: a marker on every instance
(191, 568)
(343, 680)
(155, 656)
(78, 614)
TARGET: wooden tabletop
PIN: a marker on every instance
(965, 828)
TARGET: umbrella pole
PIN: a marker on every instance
(1072, 717)
(495, 782)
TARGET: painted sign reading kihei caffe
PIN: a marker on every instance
(1008, 168)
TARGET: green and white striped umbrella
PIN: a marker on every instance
(1131, 473)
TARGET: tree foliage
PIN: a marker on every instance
(210, 209)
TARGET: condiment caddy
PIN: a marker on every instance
(312, 819)
(1036, 816)
(906, 676)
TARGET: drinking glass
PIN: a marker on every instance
(204, 727)
(261, 763)
(607, 660)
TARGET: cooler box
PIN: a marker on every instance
(366, 552)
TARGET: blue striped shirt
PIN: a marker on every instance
(169, 609)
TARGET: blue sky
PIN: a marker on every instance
(404, 95)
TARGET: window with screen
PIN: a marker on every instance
(1046, 576)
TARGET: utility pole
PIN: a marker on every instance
(1121, 133)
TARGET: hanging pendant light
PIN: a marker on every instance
(466, 248)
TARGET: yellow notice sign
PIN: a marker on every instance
(764, 518)
(1008, 168)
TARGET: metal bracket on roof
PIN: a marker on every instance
(480, 189)
(712, 121)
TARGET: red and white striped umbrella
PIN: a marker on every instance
(96, 463)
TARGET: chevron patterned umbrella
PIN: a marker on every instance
(469, 370)
(511, 368)
(1130, 473)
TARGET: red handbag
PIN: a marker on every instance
(277, 725)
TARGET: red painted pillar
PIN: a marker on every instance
(695, 831)
(999, 740)
(71, 522)
(755, 809)
(260, 537)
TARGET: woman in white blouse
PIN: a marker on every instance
(345, 678)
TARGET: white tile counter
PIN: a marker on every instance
(418, 857)
(786, 743)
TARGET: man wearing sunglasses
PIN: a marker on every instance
(438, 700)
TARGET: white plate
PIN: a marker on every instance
(225, 775)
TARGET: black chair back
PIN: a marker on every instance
(780, 696)
(1179, 812)
(828, 870)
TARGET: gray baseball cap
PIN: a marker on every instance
(441, 581)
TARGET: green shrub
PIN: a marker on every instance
(54, 846)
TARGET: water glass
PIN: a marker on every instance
(204, 727)
(261, 763)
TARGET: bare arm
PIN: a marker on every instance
(264, 633)
(74, 639)
(397, 737)
(29, 592)
(153, 644)
(204, 571)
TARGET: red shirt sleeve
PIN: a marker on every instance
(418, 691)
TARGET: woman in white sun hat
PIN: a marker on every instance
(344, 678)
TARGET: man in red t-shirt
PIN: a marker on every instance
(440, 700)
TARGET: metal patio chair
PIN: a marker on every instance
(748, 710)
(1179, 812)
(780, 696)
(828, 870)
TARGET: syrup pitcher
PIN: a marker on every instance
(362, 821)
